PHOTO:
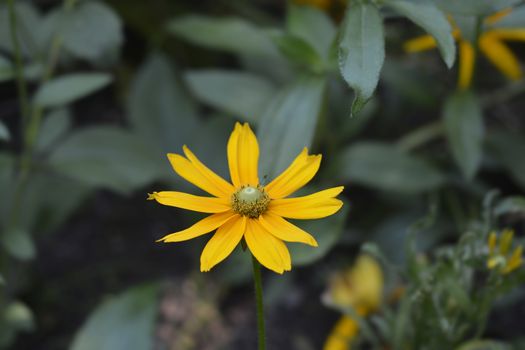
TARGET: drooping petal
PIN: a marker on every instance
(500, 56)
(467, 58)
(514, 261)
(285, 230)
(200, 228)
(223, 242)
(314, 206)
(191, 202)
(268, 250)
(215, 179)
(190, 173)
(298, 174)
(515, 34)
(243, 156)
(421, 43)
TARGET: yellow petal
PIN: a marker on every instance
(200, 228)
(467, 57)
(271, 252)
(421, 43)
(314, 206)
(508, 34)
(226, 187)
(190, 173)
(285, 230)
(191, 202)
(505, 241)
(500, 56)
(298, 174)
(243, 156)
(515, 260)
(223, 242)
(492, 243)
(343, 333)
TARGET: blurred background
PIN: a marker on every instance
(112, 86)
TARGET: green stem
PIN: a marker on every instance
(19, 66)
(421, 136)
(31, 116)
(259, 301)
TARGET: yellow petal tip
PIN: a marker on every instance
(152, 196)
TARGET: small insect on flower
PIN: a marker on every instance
(490, 42)
(499, 257)
(245, 209)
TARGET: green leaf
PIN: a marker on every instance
(433, 21)
(213, 137)
(2, 280)
(4, 132)
(515, 19)
(510, 205)
(18, 243)
(123, 322)
(54, 126)
(7, 71)
(313, 26)
(160, 109)
(361, 51)
(19, 316)
(241, 94)
(288, 124)
(92, 31)
(44, 209)
(299, 51)
(230, 34)
(105, 156)
(463, 120)
(69, 88)
(509, 148)
(468, 26)
(475, 7)
(326, 231)
(385, 167)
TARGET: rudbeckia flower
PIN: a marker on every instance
(245, 209)
(490, 42)
(499, 256)
(361, 288)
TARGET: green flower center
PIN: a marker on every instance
(250, 201)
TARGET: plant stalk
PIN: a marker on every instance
(260, 306)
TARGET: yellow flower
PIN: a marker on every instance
(342, 335)
(490, 43)
(360, 287)
(244, 208)
(499, 256)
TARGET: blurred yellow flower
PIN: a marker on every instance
(499, 256)
(344, 331)
(245, 209)
(490, 42)
(359, 287)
